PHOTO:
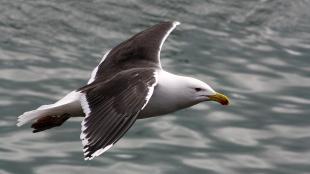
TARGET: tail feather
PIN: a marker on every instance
(29, 116)
(63, 106)
(45, 110)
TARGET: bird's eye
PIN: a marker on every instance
(198, 89)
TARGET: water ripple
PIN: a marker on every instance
(256, 52)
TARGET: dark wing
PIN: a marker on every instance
(112, 106)
(141, 50)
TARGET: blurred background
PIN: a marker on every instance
(254, 51)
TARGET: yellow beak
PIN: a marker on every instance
(221, 98)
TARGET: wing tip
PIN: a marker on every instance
(89, 156)
(175, 23)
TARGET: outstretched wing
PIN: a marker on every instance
(112, 106)
(140, 51)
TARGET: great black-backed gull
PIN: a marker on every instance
(128, 84)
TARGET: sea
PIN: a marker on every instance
(257, 52)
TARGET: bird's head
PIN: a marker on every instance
(201, 91)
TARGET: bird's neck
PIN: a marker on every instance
(169, 95)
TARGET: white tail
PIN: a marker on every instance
(39, 113)
(68, 104)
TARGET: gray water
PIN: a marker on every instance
(256, 52)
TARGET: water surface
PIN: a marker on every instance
(256, 52)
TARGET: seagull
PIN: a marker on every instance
(128, 84)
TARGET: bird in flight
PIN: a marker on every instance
(128, 84)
